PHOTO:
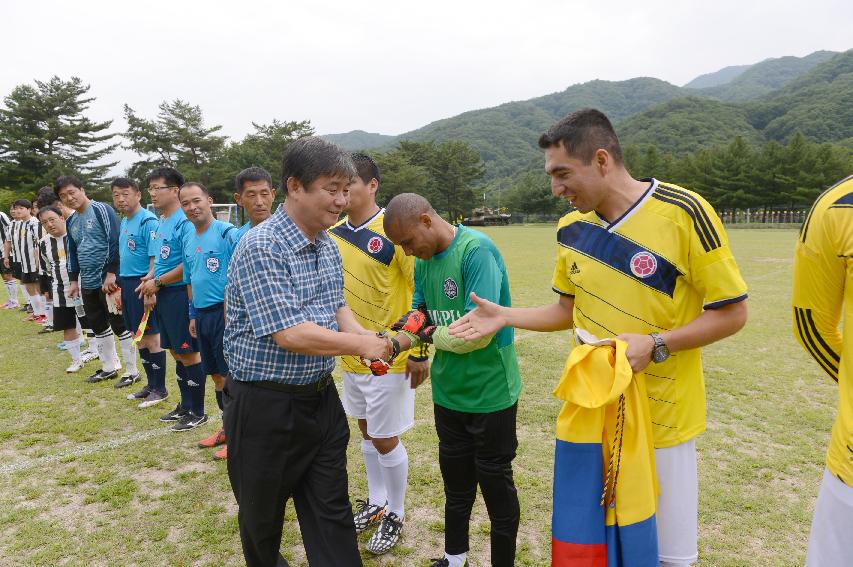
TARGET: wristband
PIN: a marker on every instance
(414, 358)
(395, 348)
(191, 308)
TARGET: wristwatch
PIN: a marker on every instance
(660, 352)
(157, 282)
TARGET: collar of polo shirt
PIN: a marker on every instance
(293, 236)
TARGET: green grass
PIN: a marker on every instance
(159, 500)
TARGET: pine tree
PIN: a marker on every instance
(44, 133)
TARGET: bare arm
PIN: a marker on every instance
(488, 318)
(347, 322)
(310, 338)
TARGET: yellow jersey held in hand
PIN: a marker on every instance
(653, 269)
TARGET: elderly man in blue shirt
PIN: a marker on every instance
(286, 321)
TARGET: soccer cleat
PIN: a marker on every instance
(221, 454)
(127, 380)
(40, 319)
(443, 562)
(89, 355)
(175, 415)
(46, 329)
(367, 514)
(62, 346)
(189, 421)
(152, 399)
(30, 317)
(11, 305)
(76, 366)
(386, 535)
(140, 395)
(102, 375)
(26, 308)
(214, 440)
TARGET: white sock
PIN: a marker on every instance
(455, 560)
(25, 294)
(48, 311)
(73, 348)
(395, 475)
(375, 485)
(12, 289)
(128, 353)
(38, 304)
(106, 350)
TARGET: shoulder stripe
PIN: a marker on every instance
(689, 211)
(808, 341)
(702, 217)
(804, 231)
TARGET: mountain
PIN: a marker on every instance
(764, 77)
(819, 104)
(359, 140)
(686, 124)
(506, 135)
(721, 77)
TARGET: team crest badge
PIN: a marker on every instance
(212, 265)
(131, 244)
(643, 264)
(374, 245)
(451, 290)
(89, 223)
(165, 251)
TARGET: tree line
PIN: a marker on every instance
(45, 132)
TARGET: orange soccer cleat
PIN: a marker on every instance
(214, 440)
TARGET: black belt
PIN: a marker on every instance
(313, 388)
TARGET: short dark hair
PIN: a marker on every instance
(308, 158)
(124, 183)
(64, 181)
(49, 209)
(194, 184)
(172, 176)
(253, 173)
(365, 166)
(582, 133)
(46, 197)
(27, 204)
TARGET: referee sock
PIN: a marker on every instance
(157, 370)
(395, 475)
(144, 353)
(181, 376)
(375, 482)
(128, 352)
(196, 379)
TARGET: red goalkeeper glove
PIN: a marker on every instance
(417, 322)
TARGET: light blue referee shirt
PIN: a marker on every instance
(206, 260)
(134, 236)
(277, 280)
(168, 245)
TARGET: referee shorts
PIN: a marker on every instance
(173, 318)
(133, 308)
(210, 326)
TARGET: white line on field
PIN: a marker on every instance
(121, 441)
(82, 451)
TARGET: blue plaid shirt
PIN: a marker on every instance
(278, 279)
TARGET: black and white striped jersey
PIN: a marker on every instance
(53, 251)
(25, 237)
(5, 225)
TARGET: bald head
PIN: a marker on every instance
(407, 208)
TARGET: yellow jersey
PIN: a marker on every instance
(378, 280)
(823, 292)
(652, 270)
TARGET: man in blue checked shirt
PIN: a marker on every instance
(207, 254)
(286, 322)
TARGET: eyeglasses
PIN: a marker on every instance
(156, 189)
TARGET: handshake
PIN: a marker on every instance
(414, 324)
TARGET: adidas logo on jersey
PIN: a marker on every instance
(574, 270)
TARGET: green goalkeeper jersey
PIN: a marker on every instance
(487, 379)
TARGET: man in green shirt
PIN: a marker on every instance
(476, 384)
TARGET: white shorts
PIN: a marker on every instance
(678, 504)
(831, 540)
(386, 402)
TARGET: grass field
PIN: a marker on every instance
(88, 479)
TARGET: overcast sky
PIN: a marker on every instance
(387, 66)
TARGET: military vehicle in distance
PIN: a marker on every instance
(485, 216)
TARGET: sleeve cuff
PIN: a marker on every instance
(724, 302)
(563, 293)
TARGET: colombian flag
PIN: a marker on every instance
(605, 485)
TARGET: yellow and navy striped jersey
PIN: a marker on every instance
(378, 280)
(652, 270)
(823, 297)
